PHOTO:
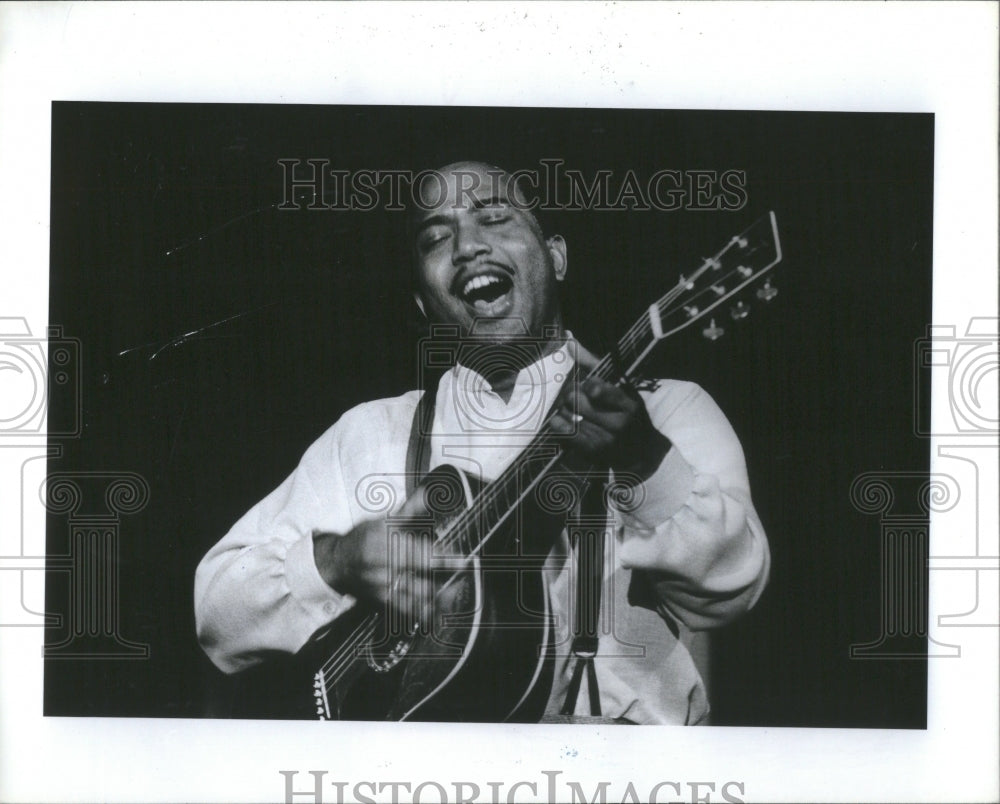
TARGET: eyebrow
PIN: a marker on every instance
(477, 204)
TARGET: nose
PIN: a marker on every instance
(468, 242)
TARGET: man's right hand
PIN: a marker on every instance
(365, 563)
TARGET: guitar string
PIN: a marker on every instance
(336, 654)
(340, 658)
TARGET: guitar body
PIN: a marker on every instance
(481, 654)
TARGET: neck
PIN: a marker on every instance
(500, 363)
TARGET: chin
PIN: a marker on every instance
(500, 328)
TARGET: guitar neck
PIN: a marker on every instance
(741, 261)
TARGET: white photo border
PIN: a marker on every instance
(903, 57)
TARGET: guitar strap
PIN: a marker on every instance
(588, 533)
(418, 454)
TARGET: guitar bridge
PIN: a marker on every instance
(320, 696)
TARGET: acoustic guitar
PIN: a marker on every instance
(482, 650)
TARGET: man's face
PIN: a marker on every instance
(482, 262)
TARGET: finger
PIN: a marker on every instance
(585, 359)
(417, 594)
(406, 547)
(387, 588)
(419, 555)
(606, 396)
(591, 440)
(569, 389)
(612, 420)
(423, 600)
(577, 427)
(449, 558)
(563, 422)
(571, 424)
(416, 504)
(407, 593)
(567, 400)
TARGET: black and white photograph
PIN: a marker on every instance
(263, 294)
(374, 432)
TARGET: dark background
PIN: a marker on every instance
(164, 222)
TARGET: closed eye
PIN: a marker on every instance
(493, 215)
(432, 237)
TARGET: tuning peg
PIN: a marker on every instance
(739, 310)
(767, 292)
(719, 290)
(744, 270)
(713, 332)
(691, 310)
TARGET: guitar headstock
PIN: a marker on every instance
(742, 262)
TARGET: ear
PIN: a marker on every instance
(557, 250)
(420, 303)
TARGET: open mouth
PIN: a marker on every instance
(487, 294)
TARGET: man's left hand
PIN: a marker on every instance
(607, 425)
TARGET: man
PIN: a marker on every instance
(690, 550)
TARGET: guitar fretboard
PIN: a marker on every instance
(741, 261)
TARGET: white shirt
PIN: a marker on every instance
(695, 532)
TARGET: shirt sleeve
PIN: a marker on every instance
(258, 589)
(691, 526)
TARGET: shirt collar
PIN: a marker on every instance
(548, 370)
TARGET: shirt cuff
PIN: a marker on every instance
(661, 495)
(307, 585)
